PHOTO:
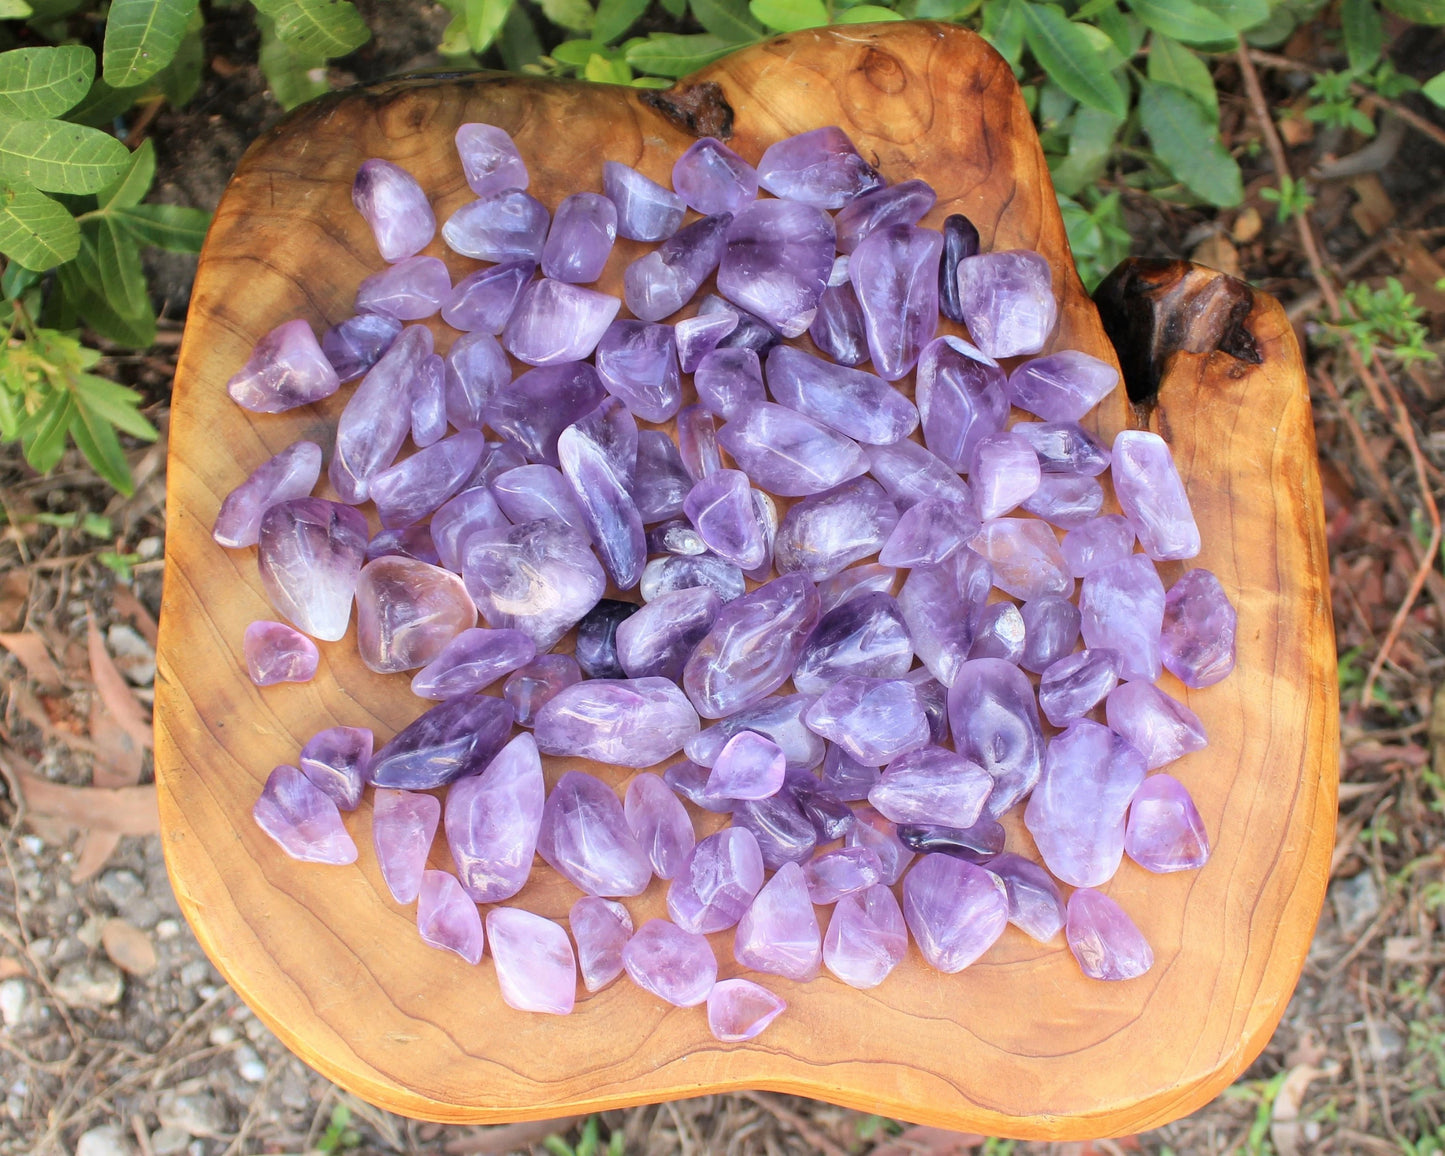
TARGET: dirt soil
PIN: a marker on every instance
(118, 1037)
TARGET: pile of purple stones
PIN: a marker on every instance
(688, 592)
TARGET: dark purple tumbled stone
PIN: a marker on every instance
(474, 659)
(484, 301)
(377, 418)
(580, 239)
(660, 283)
(410, 490)
(864, 636)
(395, 207)
(492, 821)
(1035, 905)
(1001, 633)
(623, 722)
(337, 760)
(1121, 607)
(537, 406)
(1104, 939)
(976, 844)
(1025, 558)
(961, 399)
(866, 937)
(873, 719)
(1161, 728)
(585, 837)
(403, 825)
(310, 553)
(712, 178)
(290, 474)
(1099, 542)
(905, 203)
(782, 828)
(956, 910)
(928, 533)
(960, 240)
(1051, 626)
(994, 718)
(1076, 684)
(778, 933)
(537, 683)
(662, 480)
(861, 405)
(728, 379)
(660, 824)
(1064, 447)
(786, 453)
(353, 346)
(637, 362)
(894, 271)
(717, 882)
(1007, 300)
(596, 648)
(601, 929)
(822, 534)
(645, 210)
(820, 167)
(410, 290)
(1165, 832)
(286, 369)
(838, 329)
(942, 605)
(777, 261)
(302, 819)
(932, 785)
(1197, 641)
(455, 738)
(778, 718)
(508, 225)
(664, 576)
(658, 638)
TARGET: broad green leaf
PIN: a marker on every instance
(121, 274)
(1434, 88)
(601, 70)
(575, 52)
(518, 42)
(15, 10)
(1364, 32)
(1093, 8)
(172, 227)
(1171, 63)
(728, 19)
(179, 80)
(485, 19)
(17, 279)
(1091, 140)
(867, 14)
(314, 29)
(1071, 58)
(1183, 20)
(42, 434)
(938, 9)
(1188, 144)
(1124, 28)
(1240, 15)
(95, 438)
(60, 157)
(141, 37)
(135, 182)
(1420, 11)
(81, 282)
(36, 83)
(117, 404)
(293, 78)
(614, 17)
(789, 15)
(667, 54)
(1003, 27)
(35, 231)
(677, 9)
(574, 14)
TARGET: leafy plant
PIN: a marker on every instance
(588, 1142)
(339, 1136)
(1384, 320)
(1291, 199)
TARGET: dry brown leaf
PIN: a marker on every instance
(124, 810)
(1218, 252)
(129, 607)
(94, 851)
(14, 597)
(118, 763)
(1374, 209)
(33, 711)
(1284, 1129)
(34, 656)
(502, 1138)
(10, 967)
(129, 947)
(113, 688)
(921, 1141)
(1247, 226)
(1420, 272)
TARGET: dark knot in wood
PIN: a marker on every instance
(700, 109)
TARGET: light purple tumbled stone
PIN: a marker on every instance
(1024, 556)
(1063, 386)
(1001, 633)
(942, 605)
(1064, 447)
(1162, 728)
(675, 965)
(912, 474)
(302, 819)
(1197, 640)
(905, 203)
(712, 178)
(447, 918)
(779, 932)
(484, 301)
(894, 271)
(1008, 302)
(637, 362)
(507, 225)
(490, 160)
(932, 785)
(454, 738)
(660, 824)
(1065, 500)
(338, 761)
(535, 684)
(873, 719)
(458, 519)
(536, 969)
(1002, 472)
(956, 910)
(658, 639)
(429, 402)
(403, 825)
(961, 399)
(739, 1010)
(690, 781)
(645, 210)
(540, 577)
(1097, 543)
(995, 723)
(864, 636)
(310, 554)
(855, 582)
(407, 611)
(929, 532)
(601, 929)
(777, 261)
(721, 507)
(717, 882)
(556, 322)
(752, 647)
(624, 722)
(290, 474)
(1035, 905)
(530, 492)
(820, 167)
(729, 379)
(537, 406)
(395, 207)
(1152, 496)
(377, 418)
(698, 336)
(580, 239)
(410, 490)
(585, 836)
(838, 328)
(1076, 812)
(1121, 607)
(748, 767)
(778, 718)
(879, 835)
(1076, 684)
(822, 534)
(410, 290)
(846, 779)
(409, 541)
(276, 653)
(861, 405)
(1051, 629)
(660, 283)
(473, 659)
(788, 453)
(353, 346)
(866, 937)
(286, 369)
(1165, 832)
(1104, 939)
(475, 369)
(668, 575)
(662, 480)
(493, 819)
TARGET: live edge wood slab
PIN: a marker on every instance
(1020, 1044)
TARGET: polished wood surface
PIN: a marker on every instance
(1020, 1044)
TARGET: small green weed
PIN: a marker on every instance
(339, 1136)
(588, 1142)
(1386, 321)
(1291, 199)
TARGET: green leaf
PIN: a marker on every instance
(728, 19)
(179, 80)
(60, 157)
(135, 182)
(1171, 63)
(117, 404)
(41, 82)
(485, 19)
(1003, 27)
(175, 228)
(1434, 88)
(121, 275)
(141, 37)
(1240, 15)
(81, 283)
(1091, 140)
(1183, 20)
(667, 54)
(35, 231)
(614, 17)
(518, 42)
(1364, 32)
(1072, 58)
(1419, 11)
(42, 434)
(294, 78)
(16, 280)
(789, 15)
(677, 9)
(317, 29)
(1188, 144)
(575, 52)
(95, 438)
(15, 10)
(574, 14)
(1124, 28)
(600, 70)
(866, 14)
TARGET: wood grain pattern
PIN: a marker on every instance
(1019, 1044)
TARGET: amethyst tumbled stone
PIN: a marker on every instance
(353, 346)
(1197, 641)
(493, 819)
(739, 1010)
(410, 290)
(660, 283)
(956, 910)
(824, 533)
(673, 964)
(377, 418)
(473, 659)
(1076, 684)
(1162, 728)
(536, 969)
(302, 819)
(841, 871)
(657, 639)
(779, 719)
(637, 362)
(601, 929)
(717, 882)
(532, 687)
(1025, 557)
(1051, 626)
(403, 824)
(1165, 832)
(788, 453)
(866, 937)
(447, 918)
(995, 722)
(338, 761)
(410, 490)
(407, 611)
(961, 398)
(942, 605)
(721, 507)
(1003, 471)
(290, 474)
(508, 225)
(865, 635)
(779, 932)
(585, 837)
(1152, 496)
(1063, 386)
(1007, 300)
(277, 653)
(395, 207)
(625, 722)
(490, 160)
(873, 719)
(452, 739)
(960, 240)
(932, 785)
(712, 178)
(1097, 543)
(660, 824)
(748, 767)
(894, 271)
(533, 409)
(645, 210)
(580, 240)
(310, 556)
(1104, 939)
(484, 301)
(777, 261)
(286, 369)
(861, 405)
(905, 203)
(556, 322)
(820, 167)
(1035, 905)
(1121, 607)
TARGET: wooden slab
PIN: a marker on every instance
(1019, 1044)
